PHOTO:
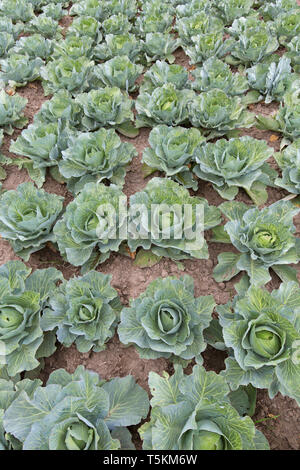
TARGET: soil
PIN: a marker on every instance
(283, 432)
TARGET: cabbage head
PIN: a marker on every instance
(165, 105)
(167, 320)
(159, 223)
(95, 157)
(27, 216)
(172, 150)
(11, 112)
(92, 226)
(262, 331)
(264, 237)
(236, 163)
(162, 73)
(119, 72)
(23, 297)
(84, 412)
(83, 311)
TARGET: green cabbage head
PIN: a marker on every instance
(265, 238)
(83, 311)
(263, 332)
(172, 150)
(169, 320)
(231, 164)
(27, 216)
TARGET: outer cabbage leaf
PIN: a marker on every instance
(214, 73)
(289, 163)
(95, 157)
(160, 46)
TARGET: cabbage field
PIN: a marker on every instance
(149, 225)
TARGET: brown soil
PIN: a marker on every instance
(129, 280)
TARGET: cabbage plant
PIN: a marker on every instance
(84, 413)
(85, 26)
(54, 11)
(20, 69)
(119, 44)
(262, 331)
(204, 46)
(107, 107)
(66, 73)
(60, 106)
(162, 73)
(6, 43)
(272, 78)
(289, 163)
(92, 226)
(27, 216)
(164, 105)
(7, 26)
(171, 151)
(95, 157)
(265, 239)
(293, 53)
(253, 45)
(229, 10)
(23, 297)
(167, 320)
(11, 111)
(188, 9)
(17, 10)
(153, 22)
(236, 163)
(159, 46)
(74, 47)
(42, 144)
(10, 389)
(271, 9)
(287, 118)
(214, 73)
(287, 25)
(116, 24)
(46, 26)
(193, 412)
(157, 222)
(217, 113)
(33, 46)
(93, 8)
(119, 72)
(198, 24)
(84, 311)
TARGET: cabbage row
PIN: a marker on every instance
(111, 73)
